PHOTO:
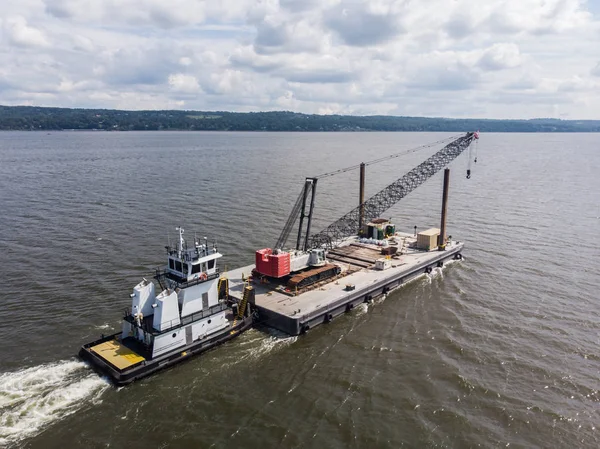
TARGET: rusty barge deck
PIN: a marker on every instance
(297, 312)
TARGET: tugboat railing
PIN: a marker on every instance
(161, 274)
(168, 326)
(204, 313)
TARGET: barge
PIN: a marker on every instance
(365, 274)
(356, 258)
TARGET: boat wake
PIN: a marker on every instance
(32, 398)
(262, 344)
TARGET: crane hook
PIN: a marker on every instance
(468, 174)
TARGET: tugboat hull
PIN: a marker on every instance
(109, 357)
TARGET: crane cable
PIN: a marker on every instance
(476, 144)
(469, 161)
(385, 158)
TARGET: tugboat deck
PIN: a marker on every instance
(117, 354)
(294, 314)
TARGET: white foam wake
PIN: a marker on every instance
(32, 398)
(272, 341)
(438, 272)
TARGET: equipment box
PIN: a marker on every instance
(389, 250)
(428, 239)
(383, 264)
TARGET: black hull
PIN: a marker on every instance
(148, 367)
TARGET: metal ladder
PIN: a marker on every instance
(242, 306)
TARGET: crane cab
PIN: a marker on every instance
(316, 258)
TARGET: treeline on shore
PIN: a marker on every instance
(32, 118)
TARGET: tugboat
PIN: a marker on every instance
(192, 313)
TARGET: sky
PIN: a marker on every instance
(450, 58)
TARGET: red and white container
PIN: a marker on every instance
(274, 265)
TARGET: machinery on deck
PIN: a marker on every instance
(310, 266)
(307, 263)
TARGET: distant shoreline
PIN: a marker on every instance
(33, 118)
(48, 131)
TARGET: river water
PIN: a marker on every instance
(498, 350)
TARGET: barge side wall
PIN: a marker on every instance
(295, 325)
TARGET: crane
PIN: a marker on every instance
(278, 263)
(375, 206)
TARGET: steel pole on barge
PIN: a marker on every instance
(361, 199)
(442, 237)
(310, 213)
(302, 215)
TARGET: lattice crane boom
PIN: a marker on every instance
(375, 206)
(293, 217)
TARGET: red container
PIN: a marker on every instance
(274, 265)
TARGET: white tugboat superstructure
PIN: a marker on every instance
(192, 313)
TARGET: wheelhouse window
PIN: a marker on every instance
(211, 264)
(196, 268)
(185, 269)
(171, 264)
(177, 265)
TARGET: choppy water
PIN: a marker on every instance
(499, 350)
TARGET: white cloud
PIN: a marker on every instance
(231, 82)
(363, 23)
(537, 16)
(281, 37)
(577, 84)
(19, 33)
(499, 58)
(184, 83)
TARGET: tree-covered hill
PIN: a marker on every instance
(39, 118)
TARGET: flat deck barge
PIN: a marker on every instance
(295, 312)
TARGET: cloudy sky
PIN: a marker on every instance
(455, 58)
